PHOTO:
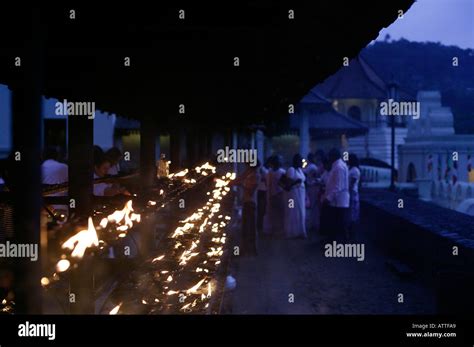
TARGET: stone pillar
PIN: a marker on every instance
(147, 152)
(26, 192)
(235, 141)
(157, 148)
(304, 134)
(260, 139)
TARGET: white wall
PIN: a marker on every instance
(104, 126)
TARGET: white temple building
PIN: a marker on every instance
(437, 159)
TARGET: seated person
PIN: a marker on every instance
(114, 155)
(101, 169)
(53, 171)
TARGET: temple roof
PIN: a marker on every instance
(358, 80)
(324, 120)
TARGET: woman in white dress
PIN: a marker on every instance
(354, 180)
(313, 185)
(274, 212)
(295, 207)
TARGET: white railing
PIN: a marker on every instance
(372, 176)
(457, 192)
(459, 197)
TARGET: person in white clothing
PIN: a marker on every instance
(336, 197)
(53, 171)
(273, 221)
(295, 207)
(313, 179)
(354, 180)
(101, 169)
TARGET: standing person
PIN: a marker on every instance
(261, 195)
(249, 182)
(163, 166)
(313, 176)
(323, 208)
(336, 196)
(354, 180)
(275, 209)
(295, 207)
(114, 155)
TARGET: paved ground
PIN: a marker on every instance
(322, 285)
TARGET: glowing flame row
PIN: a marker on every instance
(206, 166)
(179, 174)
(194, 225)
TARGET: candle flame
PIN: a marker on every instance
(209, 290)
(194, 288)
(82, 240)
(115, 309)
(158, 258)
(62, 265)
(125, 217)
(104, 222)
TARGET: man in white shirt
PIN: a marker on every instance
(53, 171)
(337, 197)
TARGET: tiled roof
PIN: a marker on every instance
(325, 121)
(358, 80)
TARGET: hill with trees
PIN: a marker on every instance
(429, 66)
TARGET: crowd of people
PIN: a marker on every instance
(320, 196)
(55, 171)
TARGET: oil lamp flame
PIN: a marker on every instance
(82, 240)
(115, 309)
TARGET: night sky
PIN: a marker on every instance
(450, 22)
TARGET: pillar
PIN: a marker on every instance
(260, 146)
(147, 152)
(26, 175)
(304, 134)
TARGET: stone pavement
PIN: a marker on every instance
(322, 285)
